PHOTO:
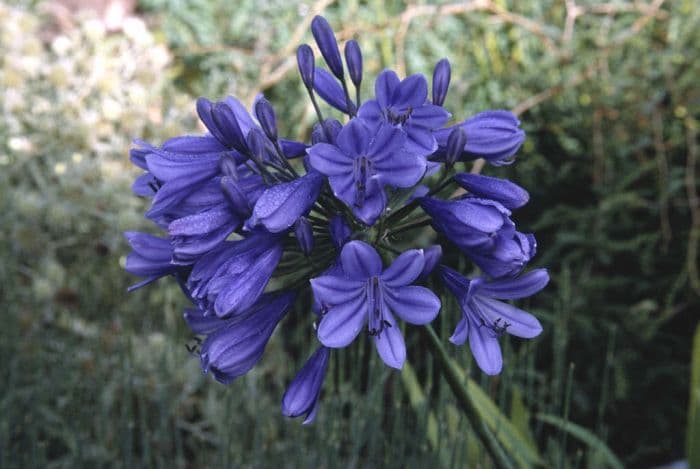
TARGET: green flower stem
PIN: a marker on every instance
(465, 401)
(410, 226)
(348, 101)
(284, 160)
(400, 214)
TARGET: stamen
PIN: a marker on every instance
(154, 185)
(499, 326)
(400, 118)
(362, 171)
(377, 323)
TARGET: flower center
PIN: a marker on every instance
(362, 171)
(396, 117)
(375, 312)
(498, 327)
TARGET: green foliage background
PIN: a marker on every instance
(95, 377)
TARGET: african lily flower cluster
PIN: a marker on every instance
(253, 220)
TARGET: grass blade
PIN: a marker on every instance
(693, 436)
(585, 436)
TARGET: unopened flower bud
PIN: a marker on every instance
(441, 81)
(353, 58)
(305, 235)
(266, 117)
(455, 146)
(236, 197)
(329, 46)
(305, 62)
(229, 167)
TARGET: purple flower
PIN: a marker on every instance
(301, 397)
(404, 105)
(227, 121)
(441, 81)
(330, 90)
(305, 62)
(229, 279)
(194, 235)
(266, 116)
(326, 132)
(234, 348)
(510, 195)
(280, 206)
(305, 235)
(432, 255)
(353, 57)
(182, 166)
(339, 230)
(150, 257)
(455, 146)
(508, 256)
(323, 34)
(367, 294)
(485, 318)
(469, 222)
(366, 158)
(492, 135)
(483, 230)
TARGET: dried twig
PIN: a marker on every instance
(572, 12)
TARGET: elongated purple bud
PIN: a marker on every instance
(509, 194)
(301, 397)
(432, 256)
(236, 197)
(492, 135)
(339, 230)
(205, 111)
(441, 81)
(305, 62)
(305, 235)
(225, 120)
(256, 145)
(455, 146)
(229, 167)
(353, 58)
(281, 205)
(330, 90)
(266, 117)
(323, 33)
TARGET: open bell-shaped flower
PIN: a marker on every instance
(485, 318)
(365, 293)
(150, 257)
(366, 158)
(233, 349)
(403, 104)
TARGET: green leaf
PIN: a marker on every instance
(419, 403)
(520, 416)
(517, 445)
(693, 436)
(585, 436)
(493, 427)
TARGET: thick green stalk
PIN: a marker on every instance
(465, 401)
